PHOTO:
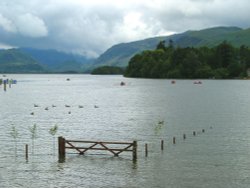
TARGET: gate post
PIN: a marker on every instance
(61, 149)
(134, 150)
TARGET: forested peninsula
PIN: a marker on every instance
(223, 61)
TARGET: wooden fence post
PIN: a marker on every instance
(61, 149)
(173, 140)
(26, 152)
(134, 150)
(184, 136)
(146, 150)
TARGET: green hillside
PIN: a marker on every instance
(57, 61)
(14, 61)
(28, 60)
(120, 54)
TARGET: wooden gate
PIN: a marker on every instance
(82, 147)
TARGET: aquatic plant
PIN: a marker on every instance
(158, 127)
(33, 131)
(14, 134)
(52, 132)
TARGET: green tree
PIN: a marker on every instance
(224, 54)
(190, 64)
(134, 66)
(221, 73)
(171, 44)
(161, 45)
(235, 69)
(204, 71)
(244, 54)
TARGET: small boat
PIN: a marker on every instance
(68, 79)
(80, 106)
(122, 84)
(173, 82)
(67, 106)
(197, 82)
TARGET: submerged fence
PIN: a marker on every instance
(81, 147)
(115, 148)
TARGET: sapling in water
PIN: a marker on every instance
(52, 132)
(33, 131)
(14, 134)
(159, 127)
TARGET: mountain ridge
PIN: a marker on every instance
(194, 38)
(30, 60)
(14, 61)
(57, 61)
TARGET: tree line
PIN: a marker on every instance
(108, 70)
(223, 61)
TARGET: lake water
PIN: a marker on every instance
(220, 157)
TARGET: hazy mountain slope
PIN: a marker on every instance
(14, 61)
(56, 61)
(119, 55)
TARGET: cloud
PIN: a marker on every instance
(31, 26)
(6, 46)
(90, 27)
(6, 24)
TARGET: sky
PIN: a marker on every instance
(90, 27)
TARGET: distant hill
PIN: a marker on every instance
(14, 61)
(120, 54)
(29, 60)
(55, 61)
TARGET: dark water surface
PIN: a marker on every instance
(220, 157)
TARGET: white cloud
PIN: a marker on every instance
(6, 46)
(6, 24)
(31, 26)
